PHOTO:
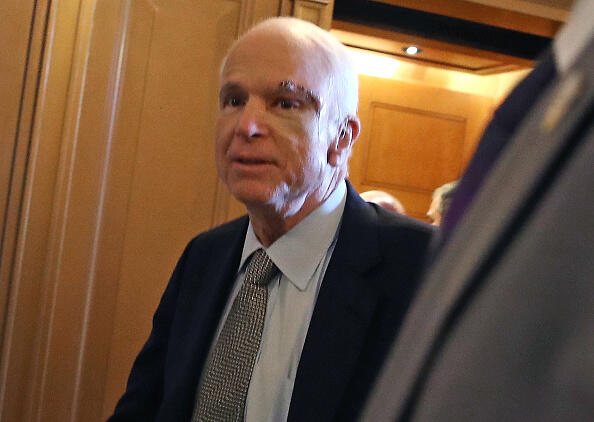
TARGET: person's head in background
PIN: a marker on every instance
(442, 196)
(287, 121)
(384, 200)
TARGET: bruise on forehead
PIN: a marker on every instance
(308, 95)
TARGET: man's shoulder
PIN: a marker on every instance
(390, 222)
(357, 208)
(403, 232)
(394, 234)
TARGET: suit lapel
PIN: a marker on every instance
(340, 319)
(203, 299)
(216, 286)
(505, 199)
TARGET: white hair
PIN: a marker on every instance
(384, 200)
(306, 36)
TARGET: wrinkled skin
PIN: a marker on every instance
(278, 147)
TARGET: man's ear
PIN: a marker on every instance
(340, 150)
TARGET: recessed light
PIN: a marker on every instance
(411, 50)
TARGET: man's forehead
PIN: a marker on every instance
(271, 60)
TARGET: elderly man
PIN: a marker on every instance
(287, 313)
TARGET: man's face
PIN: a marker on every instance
(433, 212)
(272, 137)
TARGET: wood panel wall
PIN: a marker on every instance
(543, 20)
(414, 138)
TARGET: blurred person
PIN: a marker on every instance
(440, 202)
(384, 200)
(501, 328)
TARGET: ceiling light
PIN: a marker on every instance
(411, 50)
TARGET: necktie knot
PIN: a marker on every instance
(261, 269)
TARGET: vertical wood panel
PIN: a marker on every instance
(172, 196)
(311, 11)
(16, 83)
(22, 351)
(15, 42)
(22, 39)
(318, 12)
(75, 229)
(414, 138)
(407, 141)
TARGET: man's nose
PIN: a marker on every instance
(251, 122)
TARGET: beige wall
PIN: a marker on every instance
(420, 125)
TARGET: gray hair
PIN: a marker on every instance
(446, 192)
(384, 200)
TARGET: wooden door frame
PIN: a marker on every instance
(25, 30)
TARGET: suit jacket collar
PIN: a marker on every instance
(341, 316)
(204, 298)
(501, 207)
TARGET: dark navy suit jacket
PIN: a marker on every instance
(367, 287)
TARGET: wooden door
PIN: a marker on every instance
(414, 138)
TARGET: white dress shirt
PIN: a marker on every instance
(302, 256)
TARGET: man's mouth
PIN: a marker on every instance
(252, 161)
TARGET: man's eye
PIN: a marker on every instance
(232, 101)
(287, 104)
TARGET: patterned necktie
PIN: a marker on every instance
(223, 390)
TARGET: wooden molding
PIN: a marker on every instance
(253, 11)
(557, 10)
(75, 238)
(485, 14)
(436, 53)
(318, 12)
(19, 292)
(19, 68)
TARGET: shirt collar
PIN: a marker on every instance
(298, 252)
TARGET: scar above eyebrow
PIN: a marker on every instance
(299, 89)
